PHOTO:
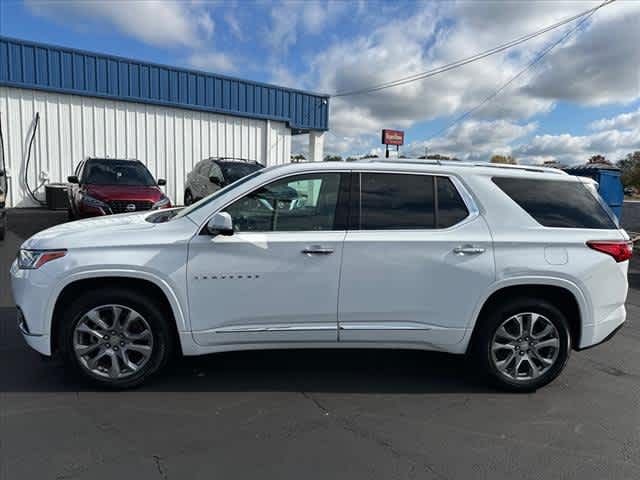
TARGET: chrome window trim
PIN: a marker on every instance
(467, 198)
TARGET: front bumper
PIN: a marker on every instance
(31, 291)
(40, 343)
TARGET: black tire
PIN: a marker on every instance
(188, 198)
(486, 329)
(70, 216)
(162, 334)
(3, 226)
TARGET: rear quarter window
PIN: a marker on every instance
(556, 203)
(451, 207)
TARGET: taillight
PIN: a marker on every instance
(620, 250)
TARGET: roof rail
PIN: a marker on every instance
(528, 168)
(457, 163)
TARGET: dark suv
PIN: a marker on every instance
(213, 173)
(102, 186)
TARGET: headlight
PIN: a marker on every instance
(162, 203)
(89, 201)
(33, 259)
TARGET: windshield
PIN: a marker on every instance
(233, 171)
(201, 203)
(117, 172)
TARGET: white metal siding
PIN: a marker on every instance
(168, 140)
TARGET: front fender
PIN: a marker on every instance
(178, 308)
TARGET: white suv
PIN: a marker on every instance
(516, 266)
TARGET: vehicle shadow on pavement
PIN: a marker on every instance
(317, 370)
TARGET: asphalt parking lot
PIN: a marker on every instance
(316, 414)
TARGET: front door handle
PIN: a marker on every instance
(317, 250)
(468, 250)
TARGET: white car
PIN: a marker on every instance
(516, 266)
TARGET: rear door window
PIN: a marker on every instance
(396, 201)
(557, 203)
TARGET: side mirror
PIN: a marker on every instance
(220, 224)
(215, 180)
(162, 182)
(72, 179)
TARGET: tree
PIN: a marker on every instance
(504, 159)
(298, 158)
(369, 155)
(630, 169)
(333, 158)
(599, 159)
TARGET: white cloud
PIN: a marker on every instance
(598, 65)
(572, 149)
(234, 25)
(475, 140)
(160, 23)
(624, 120)
(212, 62)
(281, 75)
(314, 16)
(290, 20)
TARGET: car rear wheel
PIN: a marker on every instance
(523, 344)
(188, 198)
(115, 338)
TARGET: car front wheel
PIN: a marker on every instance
(523, 344)
(115, 338)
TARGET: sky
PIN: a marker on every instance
(581, 99)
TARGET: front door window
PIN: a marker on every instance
(299, 203)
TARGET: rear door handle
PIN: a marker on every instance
(468, 250)
(317, 250)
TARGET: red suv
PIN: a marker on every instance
(102, 186)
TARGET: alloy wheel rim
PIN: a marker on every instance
(113, 341)
(525, 346)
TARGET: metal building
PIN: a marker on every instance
(169, 118)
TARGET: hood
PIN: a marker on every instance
(126, 228)
(108, 193)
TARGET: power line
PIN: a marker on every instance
(531, 64)
(479, 56)
(473, 58)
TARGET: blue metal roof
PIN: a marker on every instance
(25, 64)
(590, 167)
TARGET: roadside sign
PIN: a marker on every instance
(392, 137)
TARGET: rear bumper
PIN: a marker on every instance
(606, 339)
(604, 330)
